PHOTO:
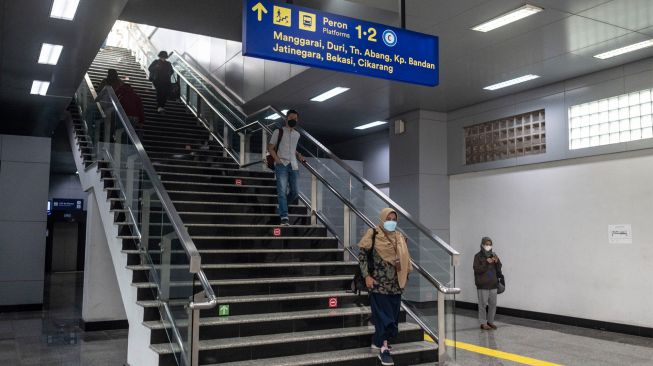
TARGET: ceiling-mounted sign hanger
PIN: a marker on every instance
(288, 33)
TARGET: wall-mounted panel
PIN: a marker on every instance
(555, 101)
(506, 138)
(24, 191)
(26, 149)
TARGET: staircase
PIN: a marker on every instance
(278, 288)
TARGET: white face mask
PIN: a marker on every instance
(487, 248)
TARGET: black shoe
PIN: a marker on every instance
(285, 222)
(386, 358)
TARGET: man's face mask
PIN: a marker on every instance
(292, 122)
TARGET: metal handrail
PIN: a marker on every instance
(392, 204)
(166, 204)
(441, 287)
(203, 77)
(213, 135)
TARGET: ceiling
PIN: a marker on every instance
(556, 44)
(24, 26)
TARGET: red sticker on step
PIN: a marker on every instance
(276, 232)
(333, 302)
(239, 182)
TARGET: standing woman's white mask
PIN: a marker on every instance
(487, 248)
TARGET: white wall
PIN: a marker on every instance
(555, 99)
(550, 223)
(246, 77)
(373, 150)
(101, 299)
(24, 172)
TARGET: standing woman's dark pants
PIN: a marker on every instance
(385, 313)
(162, 93)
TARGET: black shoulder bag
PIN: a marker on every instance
(269, 160)
(358, 284)
(501, 282)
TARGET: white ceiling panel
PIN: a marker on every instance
(628, 14)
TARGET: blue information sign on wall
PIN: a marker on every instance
(63, 204)
(288, 33)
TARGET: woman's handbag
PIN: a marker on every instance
(175, 90)
(358, 284)
(501, 283)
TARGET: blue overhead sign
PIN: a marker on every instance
(288, 33)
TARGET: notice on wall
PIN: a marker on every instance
(620, 234)
(293, 34)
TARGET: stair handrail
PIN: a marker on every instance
(208, 81)
(442, 288)
(166, 203)
(392, 204)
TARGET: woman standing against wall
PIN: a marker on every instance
(487, 266)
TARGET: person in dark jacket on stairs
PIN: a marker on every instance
(131, 102)
(486, 267)
(388, 279)
(160, 73)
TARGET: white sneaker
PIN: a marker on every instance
(161, 110)
(375, 348)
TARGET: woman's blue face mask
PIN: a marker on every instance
(390, 225)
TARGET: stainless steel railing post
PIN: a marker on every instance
(194, 329)
(129, 194)
(243, 149)
(313, 200)
(346, 231)
(441, 326)
(146, 206)
(166, 256)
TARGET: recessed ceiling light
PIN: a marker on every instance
(511, 82)
(274, 116)
(330, 94)
(513, 16)
(64, 9)
(622, 50)
(40, 87)
(50, 54)
(370, 125)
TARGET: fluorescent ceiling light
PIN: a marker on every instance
(370, 125)
(330, 94)
(40, 87)
(64, 9)
(511, 82)
(513, 16)
(622, 50)
(274, 116)
(50, 54)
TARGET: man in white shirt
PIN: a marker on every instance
(286, 167)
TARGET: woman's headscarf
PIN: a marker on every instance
(390, 246)
(490, 253)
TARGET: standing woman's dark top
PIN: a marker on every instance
(160, 73)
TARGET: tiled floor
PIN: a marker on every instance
(558, 344)
(52, 337)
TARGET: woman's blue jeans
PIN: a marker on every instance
(385, 313)
(286, 187)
